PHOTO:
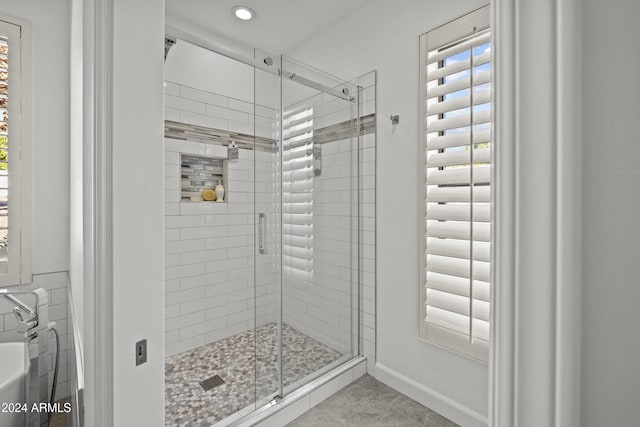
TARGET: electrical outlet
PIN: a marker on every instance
(141, 352)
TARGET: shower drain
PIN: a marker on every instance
(212, 382)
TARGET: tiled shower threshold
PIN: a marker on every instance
(250, 378)
(280, 412)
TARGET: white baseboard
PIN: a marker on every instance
(441, 404)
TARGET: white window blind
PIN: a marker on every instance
(297, 193)
(456, 173)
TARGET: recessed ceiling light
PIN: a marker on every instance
(243, 12)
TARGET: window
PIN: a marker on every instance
(455, 78)
(297, 189)
(15, 183)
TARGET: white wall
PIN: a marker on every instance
(77, 198)
(137, 135)
(611, 202)
(50, 23)
(386, 39)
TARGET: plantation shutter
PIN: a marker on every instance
(456, 137)
(297, 193)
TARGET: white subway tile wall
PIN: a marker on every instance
(209, 256)
(210, 247)
(321, 308)
(56, 285)
(197, 107)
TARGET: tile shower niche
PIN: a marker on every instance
(199, 174)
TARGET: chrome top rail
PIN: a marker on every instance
(174, 29)
(344, 94)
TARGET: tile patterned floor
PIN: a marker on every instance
(60, 419)
(234, 360)
(369, 403)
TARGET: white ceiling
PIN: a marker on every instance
(280, 25)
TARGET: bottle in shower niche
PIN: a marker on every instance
(219, 192)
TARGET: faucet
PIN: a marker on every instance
(24, 324)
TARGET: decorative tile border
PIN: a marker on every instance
(208, 135)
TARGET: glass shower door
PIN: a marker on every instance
(304, 199)
(209, 237)
(261, 277)
(267, 202)
(319, 222)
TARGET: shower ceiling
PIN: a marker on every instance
(280, 25)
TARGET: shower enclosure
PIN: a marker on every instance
(262, 285)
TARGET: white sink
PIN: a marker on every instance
(13, 371)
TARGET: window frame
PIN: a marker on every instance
(443, 36)
(19, 260)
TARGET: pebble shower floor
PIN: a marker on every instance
(188, 404)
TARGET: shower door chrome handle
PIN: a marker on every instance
(262, 232)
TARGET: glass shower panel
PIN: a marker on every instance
(221, 293)
(267, 200)
(319, 216)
